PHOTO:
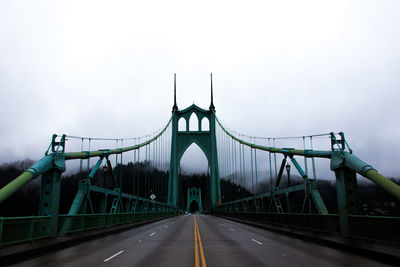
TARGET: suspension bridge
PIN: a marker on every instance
(137, 182)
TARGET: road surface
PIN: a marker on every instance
(199, 240)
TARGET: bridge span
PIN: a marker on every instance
(268, 181)
(219, 242)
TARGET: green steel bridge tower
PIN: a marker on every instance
(205, 139)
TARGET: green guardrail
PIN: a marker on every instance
(326, 223)
(372, 228)
(375, 228)
(15, 230)
(21, 229)
(79, 223)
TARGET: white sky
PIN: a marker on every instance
(281, 68)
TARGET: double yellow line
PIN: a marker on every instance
(197, 245)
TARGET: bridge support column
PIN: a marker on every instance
(347, 193)
(50, 193)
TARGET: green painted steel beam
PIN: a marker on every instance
(14, 185)
(298, 167)
(40, 167)
(345, 159)
(111, 192)
(96, 167)
(384, 182)
(294, 188)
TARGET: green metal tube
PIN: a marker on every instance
(366, 170)
(384, 182)
(14, 185)
(35, 170)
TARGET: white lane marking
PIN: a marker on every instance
(221, 224)
(165, 226)
(233, 230)
(115, 255)
(258, 242)
(284, 255)
(152, 234)
(139, 241)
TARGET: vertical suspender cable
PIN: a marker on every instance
(313, 160)
(134, 170)
(233, 170)
(251, 162)
(230, 168)
(255, 160)
(244, 172)
(158, 167)
(241, 170)
(305, 158)
(276, 171)
(121, 171)
(88, 160)
(116, 161)
(149, 171)
(270, 169)
(153, 187)
(80, 164)
(138, 171)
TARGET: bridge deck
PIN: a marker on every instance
(172, 242)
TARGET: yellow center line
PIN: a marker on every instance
(198, 239)
(196, 252)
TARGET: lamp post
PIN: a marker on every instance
(288, 195)
(288, 174)
(105, 169)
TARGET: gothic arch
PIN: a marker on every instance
(182, 125)
(206, 140)
(194, 194)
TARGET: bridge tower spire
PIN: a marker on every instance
(175, 107)
(212, 107)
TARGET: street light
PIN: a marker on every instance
(105, 169)
(288, 173)
(288, 194)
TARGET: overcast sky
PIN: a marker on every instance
(280, 68)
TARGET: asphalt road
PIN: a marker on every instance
(199, 240)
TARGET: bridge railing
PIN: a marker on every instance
(20, 229)
(15, 230)
(324, 223)
(370, 228)
(86, 222)
(375, 228)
